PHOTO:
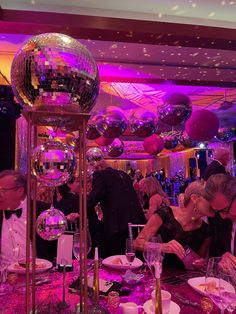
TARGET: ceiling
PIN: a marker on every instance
(142, 51)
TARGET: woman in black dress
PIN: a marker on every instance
(180, 226)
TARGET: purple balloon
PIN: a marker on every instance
(92, 132)
(143, 125)
(186, 141)
(225, 134)
(175, 110)
(111, 123)
(116, 148)
(170, 142)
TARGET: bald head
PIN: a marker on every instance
(222, 155)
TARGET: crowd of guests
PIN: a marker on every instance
(204, 220)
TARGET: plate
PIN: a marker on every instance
(120, 262)
(43, 265)
(196, 283)
(149, 309)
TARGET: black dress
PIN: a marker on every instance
(171, 229)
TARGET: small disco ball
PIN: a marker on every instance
(175, 110)
(51, 224)
(55, 73)
(116, 148)
(53, 163)
(94, 154)
(143, 124)
(225, 134)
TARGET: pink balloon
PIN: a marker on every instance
(153, 144)
(103, 141)
(202, 125)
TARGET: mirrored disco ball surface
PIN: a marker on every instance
(51, 224)
(94, 154)
(53, 163)
(54, 72)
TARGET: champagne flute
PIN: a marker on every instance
(130, 251)
(213, 283)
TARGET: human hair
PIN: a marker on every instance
(152, 186)
(100, 165)
(220, 183)
(219, 153)
(195, 187)
(19, 178)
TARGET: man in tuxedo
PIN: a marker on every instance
(13, 216)
(218, 164)
(119, 203)
(221, 193)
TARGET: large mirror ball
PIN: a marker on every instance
(55, 73)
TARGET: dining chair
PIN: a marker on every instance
(137, 227)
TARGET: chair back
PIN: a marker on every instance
(131, 227)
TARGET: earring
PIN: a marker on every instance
(193, 218)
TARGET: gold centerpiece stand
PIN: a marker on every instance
(74, 122)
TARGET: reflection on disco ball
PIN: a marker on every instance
(143, 124)
(116, 148)
(72, 140)
(92, 132)
(51, 224)
(175, 110)
(94, 154)
(170, 142)
(53, 163)
(225, 134)
(111, 123)
(186, 141)
(54, 72)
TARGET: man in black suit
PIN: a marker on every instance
(221, 193)
(220, 161)
(119, 203)
(13, 216)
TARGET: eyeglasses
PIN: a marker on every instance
(226, 210)
(3, 190)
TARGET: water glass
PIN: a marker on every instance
(113, 302)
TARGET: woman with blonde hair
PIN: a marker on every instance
(156, 196)
(180, 226)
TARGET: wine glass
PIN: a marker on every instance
(213, 283)
(130, 251)
(76, 244)
(228, 288)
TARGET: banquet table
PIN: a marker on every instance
(14, 302)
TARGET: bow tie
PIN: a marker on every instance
(8, 213)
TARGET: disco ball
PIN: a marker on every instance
(186, 141)
(143, 124)
(111, 123)
(170, 142)
(175, 110)
(94, 154)
(116, 148)
(55, 73)
(225, 134)
(92, 132)
(53, 163)
(51, 224)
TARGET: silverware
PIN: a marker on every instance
(185, 301)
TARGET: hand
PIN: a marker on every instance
(72, 217)
(173, 247)
(228, 261)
